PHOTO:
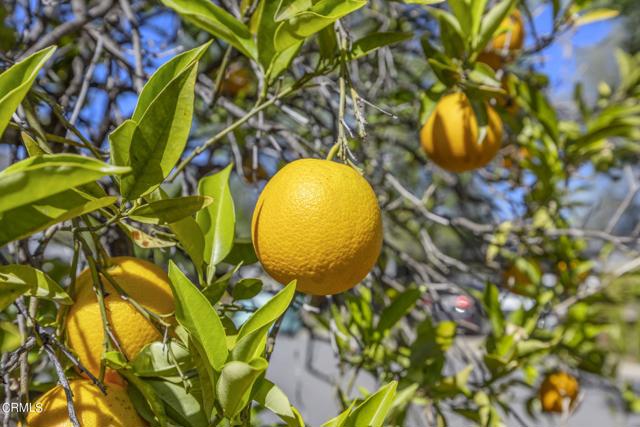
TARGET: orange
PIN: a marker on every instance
(510, 34)
(237, 79)
(555, 389)
(509, 39)
(450, 135)
(508, 101)
(492, 59)
(517, 281)
(93, 408)
(144, 282)
(319, 222)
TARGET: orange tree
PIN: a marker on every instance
(412, 150)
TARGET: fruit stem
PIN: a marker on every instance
(334, 150)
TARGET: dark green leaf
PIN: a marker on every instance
(187, 232)
(169, 210)
(371, 42)
(242, 252)
(246, 289)
(400, 306)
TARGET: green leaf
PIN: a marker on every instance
(152, 141)
(17, 280)
(169, 210)
(451, 33)
(198, 317)
(187, 232)
(477, 10)
(216, 21)
(328, 45)
(492, 21)
(251, 345)
(183, 407)
(461, 10)
(217, 221)
(10, 338)
(144, 391)
(373, 411)
(595, 15)
(269, 395)
(395, 311)
(306, 23)
(341, 419)
(242, 252)
(159, 359)
(246, 289)
(372, 42)
(144, 240)
(16, 82)
(268, 313)
(33, 147)
(422, 2)
(491, 304)
(235, 383)
(38, 177)
(24, 221)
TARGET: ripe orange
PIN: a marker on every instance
(93, 408)
(317, 221)
(510, 34)
(557, 387)
(509, 39)
(144, 282)
(450, 135)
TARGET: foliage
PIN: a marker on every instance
(345, 79)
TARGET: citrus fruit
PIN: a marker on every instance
(517, 281)
(557, 387)
(145, 283)
(450, 135)
(510, 34)
(492, 59)
(93, 408)
(509, 39)
(317, 221)
(237, 79)
(508, 101)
